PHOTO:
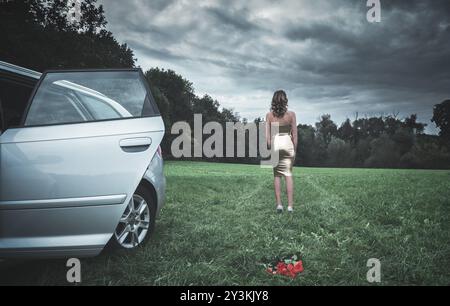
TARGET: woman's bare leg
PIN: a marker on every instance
(290, 190)
(277, 185)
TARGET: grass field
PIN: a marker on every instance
(219, 227)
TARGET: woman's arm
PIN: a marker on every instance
(268, 133)
(294, 131)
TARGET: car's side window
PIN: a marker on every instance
(69, 97)
(98, 109)
(57, 108)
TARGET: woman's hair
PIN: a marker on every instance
(279, 103)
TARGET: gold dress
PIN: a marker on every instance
(283, 146)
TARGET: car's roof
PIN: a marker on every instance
(20, 70)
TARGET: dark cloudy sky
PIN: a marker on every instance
(323, 53)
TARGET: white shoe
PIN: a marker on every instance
(280, 209)
(290, 209)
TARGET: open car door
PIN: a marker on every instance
(69, 171)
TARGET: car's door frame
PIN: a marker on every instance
(44, 74)
(19, 75)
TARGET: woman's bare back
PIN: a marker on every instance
(285, 120)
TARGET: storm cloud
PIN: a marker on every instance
(325, 54)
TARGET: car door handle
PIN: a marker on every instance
(135, 144)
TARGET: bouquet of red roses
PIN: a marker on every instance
(290, 266)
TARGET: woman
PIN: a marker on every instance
(281, 133)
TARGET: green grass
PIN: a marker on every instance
(219, 227)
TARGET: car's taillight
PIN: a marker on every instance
(159, 151)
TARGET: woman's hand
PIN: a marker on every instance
(294, 142)
(268, 132)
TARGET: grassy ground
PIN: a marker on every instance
(219, 227)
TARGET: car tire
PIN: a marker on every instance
(137, 222)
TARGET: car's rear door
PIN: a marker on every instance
(87, 139)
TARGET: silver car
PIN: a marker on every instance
(80, 161)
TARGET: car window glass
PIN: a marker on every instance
(58, 108)
(96, 95)
(98, 109)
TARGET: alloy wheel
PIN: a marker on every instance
(134, 224)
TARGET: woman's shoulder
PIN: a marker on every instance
(290, 115)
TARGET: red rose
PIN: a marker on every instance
(298, 267)
(289, 270)
(281, 268)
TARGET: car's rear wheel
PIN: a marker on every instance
(137, 222)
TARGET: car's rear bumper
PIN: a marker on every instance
(155, 176)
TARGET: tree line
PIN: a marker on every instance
(38, 35)
(374, 142)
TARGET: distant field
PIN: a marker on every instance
(219, 227)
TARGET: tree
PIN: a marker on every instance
(392, 124)
(178, 91)
(338, 153)
(209, 108)
(176, 99)
(56, 16)
(93, 19)
(404, 138)
(346, 132)
(360, 152)
(305, 154)
(38, 35)
(375, 126)
(441, 117)
(229, 115)
(384, 153)
(326, 128)
(412, 124)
